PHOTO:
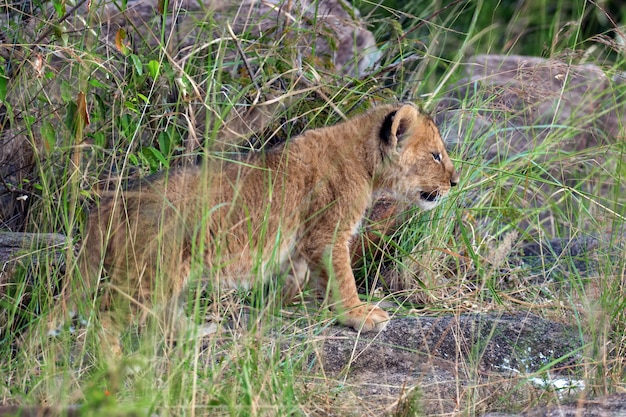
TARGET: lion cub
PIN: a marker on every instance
(292, 208)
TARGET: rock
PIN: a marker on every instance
(13, 242)
(332, 29)
(515, 102)
(22, 247)
(514, 341)
(440, 355)
(546, 119)
(609, 406)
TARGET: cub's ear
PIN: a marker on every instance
(398, 125)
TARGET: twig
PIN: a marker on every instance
(243, 58)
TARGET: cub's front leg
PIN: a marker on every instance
(336, 271)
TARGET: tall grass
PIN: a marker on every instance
(150, 111)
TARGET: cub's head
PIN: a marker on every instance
(415, 164)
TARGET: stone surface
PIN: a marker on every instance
(23, 248)
(515, 102)
(512, 341)
(609, 406)
(447, 357)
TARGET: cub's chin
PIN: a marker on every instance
(428, 200)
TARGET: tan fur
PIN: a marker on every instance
(294, 207)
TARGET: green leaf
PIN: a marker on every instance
(137, 63)
(94, 82)
(153, 69)
(133, 159)
(67, 92)
(128, 127)
(29, 120)
(132, 105)
(48, 135)
(165, 142)
(70, 116)
(100, 139)
(3, 88)
(59, 7)
(100, 113)
(154, 157)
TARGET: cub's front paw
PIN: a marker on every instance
(365, 318)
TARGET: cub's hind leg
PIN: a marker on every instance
(145, 284)
(297, 275)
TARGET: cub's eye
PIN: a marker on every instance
(437, 156)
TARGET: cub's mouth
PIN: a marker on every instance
(431, 196)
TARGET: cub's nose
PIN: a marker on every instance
(454, 180)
